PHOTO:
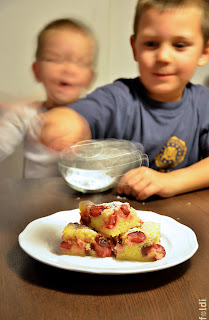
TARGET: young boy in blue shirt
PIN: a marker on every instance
(161, 109)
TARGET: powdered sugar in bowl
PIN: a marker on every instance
(97, 165)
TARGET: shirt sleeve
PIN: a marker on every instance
(108, 111)
(13, 125)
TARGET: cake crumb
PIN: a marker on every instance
(119, 197)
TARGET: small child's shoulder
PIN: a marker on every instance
(26, 108)
(199, 98)
(126, 86)
(198, 92)
(198, 88)
(30, 104)
(22, 104)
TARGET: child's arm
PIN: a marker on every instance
(63, 127)
(13, 124)
(143, 185)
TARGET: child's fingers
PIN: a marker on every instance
(132, 181)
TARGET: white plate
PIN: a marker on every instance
(42, 237)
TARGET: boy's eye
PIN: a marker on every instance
(60, 60)
(180, 45)
(151, 44)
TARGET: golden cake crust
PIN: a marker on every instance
(131, 245)
(81, 240)
(111, 218)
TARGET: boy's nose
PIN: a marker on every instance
(70, 67)
(164, 53)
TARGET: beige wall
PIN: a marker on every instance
(20, 22)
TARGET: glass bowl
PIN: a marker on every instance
(97, 165)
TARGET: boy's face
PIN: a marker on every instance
(65, 68)
(168, 47)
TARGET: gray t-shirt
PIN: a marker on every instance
(174, 134)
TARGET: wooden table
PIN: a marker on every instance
(32, 290)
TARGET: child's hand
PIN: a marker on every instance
(143, 182)
(63, 127)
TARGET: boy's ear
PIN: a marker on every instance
(36, 72)
(132, 42)
(204, 58)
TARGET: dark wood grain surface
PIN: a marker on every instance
(32, 290)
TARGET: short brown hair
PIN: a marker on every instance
(64, 24)
(166, 4)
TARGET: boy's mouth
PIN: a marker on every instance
(64, 84)
(163, 74)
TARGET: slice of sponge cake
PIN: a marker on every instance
(110, 219)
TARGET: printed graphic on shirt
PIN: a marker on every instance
(171, 154)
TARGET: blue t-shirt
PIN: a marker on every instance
(174, 134)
